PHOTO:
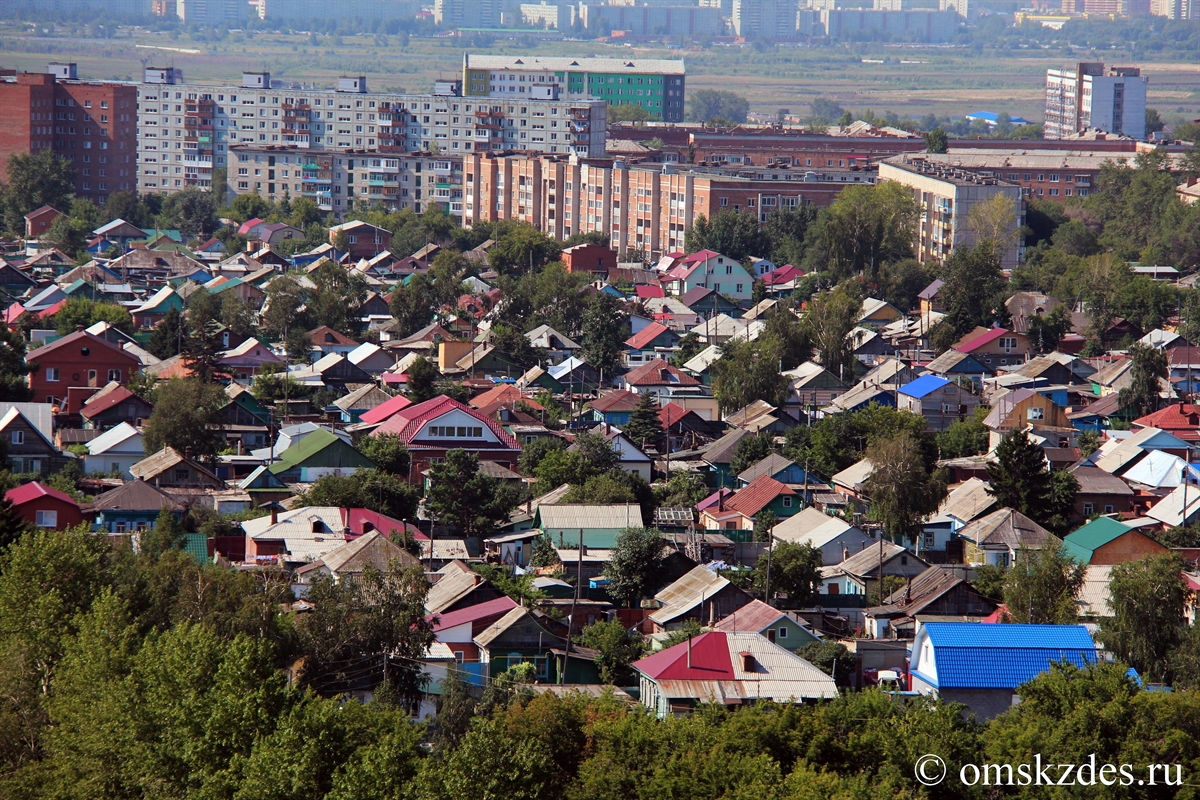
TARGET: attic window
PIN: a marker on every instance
(329, 337)
(747, 661)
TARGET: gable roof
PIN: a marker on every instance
(659, 373)
(647, 335)
(498, 606)
(754, 616)
(308, 447)
(14, 414)
(1006, 528)
(611, 516)
(369, 396)
(112, 438)
(616, 400)
(27, 492)
(386, 409)
(977, 342)
(371, 548)
(968, 500)
(1081, 544)
(81, 339)
(98, 405)
(756, 495)
(135, 496)
(920, 592)
(866, 561)
(979, 656)
(686, 593)
(165, 459)
(514, 616)
(769, 466)
(410, 420)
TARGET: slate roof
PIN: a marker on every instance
(165, 459)
(979, 656)
(968, 500)
(686, 593)
(135, 496)
(768, 466)
(372, 548)
(1008, 529)
(754, 616)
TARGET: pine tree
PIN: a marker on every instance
(167, 337)
(12, 525)
(1020, 477)
(644, 428)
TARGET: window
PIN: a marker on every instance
(182, 473)
(1008, 343)
(1108, 509)
(787, 502)
(47, 519)
(114, 375)
(18, 437)
(1088, 509)
(782, 632)
(52, 374)
(1036, 413)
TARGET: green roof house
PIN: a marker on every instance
(320, 453)
(1106, 541)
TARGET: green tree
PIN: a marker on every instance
(831, 658)
(12, 525)
(166, 339)
(387, 452)
(795, 570)
(1147, 598)
(748, 371)
(830, 318)
(617, 650)
(470, 501)
(972, 289)
(1020, 477)
(187, 417)
(35, 180)
(605, 329)
(204, 345)
(1047, 330)
(644, 428)
(367, 488)
(514, 344)
(635, 568)
(191, 211)
(751, 450)
(14, 372)
(81, 312)
(905, 485)
(989, 580)
(735, 234)
(544, 554)
(936, 141)
(422, 380)
(708, 104)
(787, 231)
(968, 437)
(1042, 586)
(868, 226)
(1149, 368)
(455, 709)
(238, 316)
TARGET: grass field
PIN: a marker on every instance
(940, 80)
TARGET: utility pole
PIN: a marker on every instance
(574, 602)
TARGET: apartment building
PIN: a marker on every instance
(769, 18)
(1087, 96)
(656, 85)
(303, 10)
(1046, 176)
(469, 13)
(946, 196)
(641, 207)
(672, 19)
(185, 131)
(92, 124)
(211, 12)
(335, 181)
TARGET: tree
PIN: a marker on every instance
(187, 417)
(1149, 367)
(12, 525)
(81, 312)
(14, 372)
(1041, 588)
(644, 428)
(166, 339)
(868, 226)
(1047, 330)
(387, 452)
(455, 710)
(732, 233)
(748, 371)
(203, 347)
(795, 569)
(1020, 477)
(936, 141)
(191, 211)
(470, 501)
(708, 104)
(367, 621)
(544, 554)
(1147, 598)
(905, 485)
(35, 180)
(751, 450)
(831, 658)
(968, 437)
(972, 288)
(66, 236)
(994, 224)
(422, 380)
(830, 318)
(617, 650)
(629, 112)
(238, 316)
(786, 229)
(367, 488)
(514, 344)
(635, 568)
(605, 329)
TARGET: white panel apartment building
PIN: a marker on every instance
(1086, 96)
(185, 131)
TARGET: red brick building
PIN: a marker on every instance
(45, 507)
(91, 124)
(38, 222)
(592, 259)
(77, 359)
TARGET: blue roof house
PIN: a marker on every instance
(981, 665)
(940, 401)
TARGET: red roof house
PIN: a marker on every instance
(431, 429)
(385, 410)
(45, 507)
(1180, 419)
(77, 359)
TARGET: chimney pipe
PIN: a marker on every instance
(274, 512)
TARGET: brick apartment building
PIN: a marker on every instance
(642, 207)
(90, 123)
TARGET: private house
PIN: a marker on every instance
(940, 401)
(1159, 472)
(936, 592)
(833, 536)
(967, 501)
(705, 269)
(371, 358)
(728, 668)
(981, 665)
(779, 627)
(115, 451)
(363, 240)
(952, 363)
(811, 386)
(1119, 455)
(171, 469)
(876, 313)
(386, 410)
(576, 375)
(29, 446)
(660, 378)
(38, 222)
(431, 429)
(852, 481)
(599, 524)
(709, 304)
(325, 341)
(996, 347)
(1179, 419)
(778, 467)
(997, 538)
(353, 405)
(702, 594)
(630, 457)
(1026, 408)
(590, 259)
(154, 310)
(1106, 541)
(349, 560)
(931, 298)
(739, 512)
(861, 571)
(1101, 493)
(458, 629)
(317, 454)
(519, 637)
(760, 417)
(113, 405)
(648, 344)
(44, 507)
(77, 359)
(133, 506)
(299, 536)
(333, 371)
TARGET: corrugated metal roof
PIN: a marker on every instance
(573, 516)
(686, 593)
(968, 500)
(451, 587)
(855, 475)
(979, 656)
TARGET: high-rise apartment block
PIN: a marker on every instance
(771, 18)
(185, 131)
(211, 12)
(946, 195)
(92, 124)
(642, 208)
(1087, 96)
(654, 84)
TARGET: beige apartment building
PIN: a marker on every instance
(946, 196)
(643, 208)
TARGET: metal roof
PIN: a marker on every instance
(568, 516)
(687, 592)
(982, 656)
(968, 500)
(924, 385)
(657, 66)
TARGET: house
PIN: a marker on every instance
(876, 313)
(1159, 472)
(953, 363)
(811, 386)
(171, 469)
(853, 479)
(77, 359)
(273, 233)
(614, 407)
(371, 358)
(709, 304)
(155, 308)
(386, 410)
(28, 445)
(702, 595)
(38, 222)
(940, 401)
(630, 457)
(373, 550)
(997, 538)
(967, 501)
(778, 467)
(1106, 541)
(720, 329)
(740, 512)
(982, 665)
(1026, 408)
(300, 535)
(936, 592)
(598, 524)
(247, 359)
(730, 669)
(996, 347)
(862, 571)
(779, 627)
(932, 299)
(432, 428)
(760, 417)
(44, 507)
(317, 454)
(833, 536)
(1101, 492)
(458, 629)
(708, 270)
(649, 344)
(590, 259)
(519, 637)
(333, 371)
(363, 240)
(133, 506)
(660, 378)
(113, 405)
(115, 451)
(325, 340)
(1119, 455)
(1179, 419)
(353, 405)
(576, 375)
(684, 427)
